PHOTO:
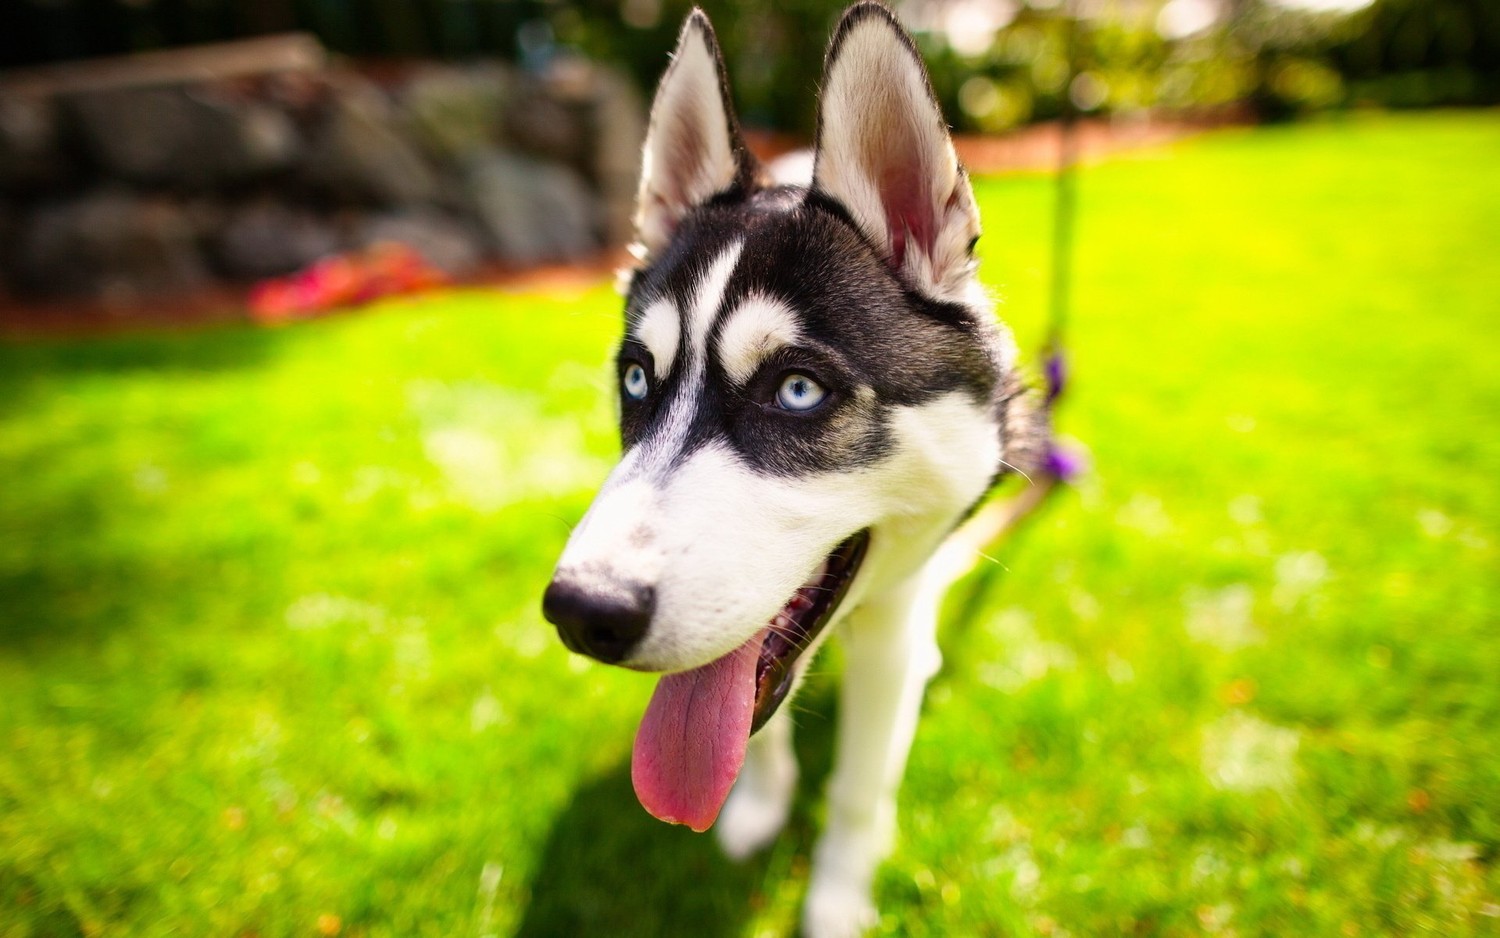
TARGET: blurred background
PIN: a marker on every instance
(151, 146)
(1277, 56)
(305, 310)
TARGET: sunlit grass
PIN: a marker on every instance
(271, 660)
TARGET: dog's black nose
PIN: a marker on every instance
(601, 624)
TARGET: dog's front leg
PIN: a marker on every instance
(890, 651)
(762, 796)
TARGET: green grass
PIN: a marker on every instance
(270, 649)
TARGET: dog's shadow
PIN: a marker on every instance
(608, 868)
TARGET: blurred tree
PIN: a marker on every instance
(1422, 53)
(994, 63)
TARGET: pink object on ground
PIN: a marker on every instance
(342, 280)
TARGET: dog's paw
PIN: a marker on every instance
(752, 817)
(837, 911)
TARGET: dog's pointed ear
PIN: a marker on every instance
(694, 149)
(884, 153)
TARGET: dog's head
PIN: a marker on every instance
(811, 384)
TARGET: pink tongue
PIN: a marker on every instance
(691, 743)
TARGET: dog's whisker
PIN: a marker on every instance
(996, 561)
(1018, 471)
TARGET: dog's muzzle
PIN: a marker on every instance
(602, 623)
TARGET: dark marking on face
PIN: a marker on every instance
(865, 336)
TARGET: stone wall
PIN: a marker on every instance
(135, 178)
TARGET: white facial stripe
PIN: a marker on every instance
(700, 316)
(758, 327)
(707, 300)
(659, 331)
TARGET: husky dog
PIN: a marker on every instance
(813, 395)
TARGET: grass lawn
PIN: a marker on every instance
(271, 660)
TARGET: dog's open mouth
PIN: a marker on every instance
(799, 623)
(692, 739)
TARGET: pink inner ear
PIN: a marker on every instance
(908, 209)
(687, 153)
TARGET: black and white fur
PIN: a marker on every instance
(723, 502)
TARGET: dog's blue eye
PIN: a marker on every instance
(635, 382)
(799, 393)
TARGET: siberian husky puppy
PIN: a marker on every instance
(814, 393)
